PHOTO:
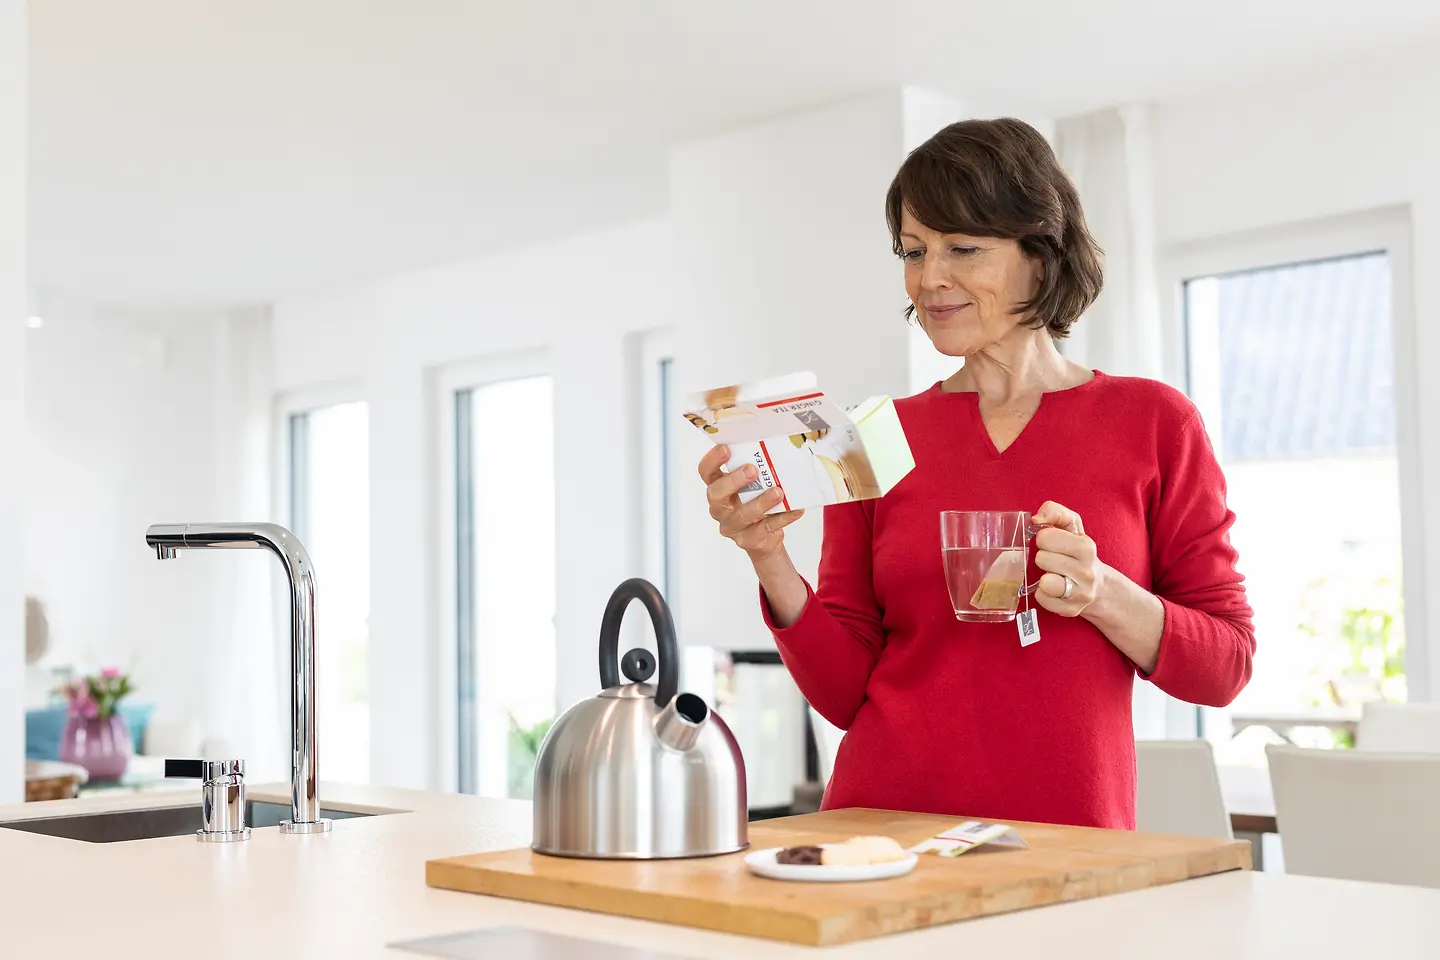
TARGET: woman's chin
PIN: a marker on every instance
(958, 347)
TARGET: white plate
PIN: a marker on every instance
(762, 863)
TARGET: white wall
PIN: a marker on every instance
(778, 222)
(786, 262)
(723, 270)
(1320, 146)
(134, 420)
(13, 299)
(575, 298)
(781, 220)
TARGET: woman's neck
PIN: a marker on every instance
(1016, 369)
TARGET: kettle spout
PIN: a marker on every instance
(678, 726)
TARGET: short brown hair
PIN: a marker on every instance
(999, 178)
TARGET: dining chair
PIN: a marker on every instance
(1358, 815)
(1178, 789)
(1399, 727)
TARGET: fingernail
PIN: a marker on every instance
(750, 472)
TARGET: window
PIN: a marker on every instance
(1293, 367)
(329, 507)
(659, 414)
(668, 404)
(504, 567)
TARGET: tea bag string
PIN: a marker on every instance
(1024, 564)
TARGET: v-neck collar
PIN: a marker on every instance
(990, 445)
(1047, 400)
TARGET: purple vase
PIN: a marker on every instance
(99, 744)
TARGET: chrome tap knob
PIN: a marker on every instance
(222, 801)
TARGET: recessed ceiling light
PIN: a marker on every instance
(35, 323)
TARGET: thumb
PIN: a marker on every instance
(1052, 514)
(1047, 515)
(782, 520)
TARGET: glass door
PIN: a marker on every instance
(329, 501)
(505, 581)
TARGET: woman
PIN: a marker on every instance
(959, 718)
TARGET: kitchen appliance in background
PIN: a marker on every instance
(640, 772)
(767, 712)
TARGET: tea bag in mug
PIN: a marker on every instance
(1003, 582)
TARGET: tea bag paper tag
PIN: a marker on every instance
(1029, 625)
(1027, 621)
(964, 837)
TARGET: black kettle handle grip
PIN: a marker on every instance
(668, 683)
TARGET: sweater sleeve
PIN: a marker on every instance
(1208, 642)
(832, 649)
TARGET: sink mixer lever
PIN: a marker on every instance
(222, 804)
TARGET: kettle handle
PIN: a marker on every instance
(669, 653)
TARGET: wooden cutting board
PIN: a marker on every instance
(719, 893)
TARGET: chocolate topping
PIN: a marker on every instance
(799, 856)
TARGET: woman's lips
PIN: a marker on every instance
(943, 311)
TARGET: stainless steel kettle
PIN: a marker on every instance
(639, 772)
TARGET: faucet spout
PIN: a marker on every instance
(168, 539)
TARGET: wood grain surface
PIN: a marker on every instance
(718, 893)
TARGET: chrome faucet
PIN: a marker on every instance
(170, 538)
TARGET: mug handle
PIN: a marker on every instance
(1031, 529)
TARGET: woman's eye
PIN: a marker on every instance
(963, 251)
(913, 255)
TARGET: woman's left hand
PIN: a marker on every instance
(1074, 575)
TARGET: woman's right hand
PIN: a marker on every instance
(759, 534)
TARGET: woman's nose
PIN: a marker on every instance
(933, 273)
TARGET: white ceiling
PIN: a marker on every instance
(238, 150)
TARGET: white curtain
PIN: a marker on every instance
(1108, 155)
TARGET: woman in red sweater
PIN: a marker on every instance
(1139, 574)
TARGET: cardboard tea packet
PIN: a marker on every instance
(964, 837)
(803, 442)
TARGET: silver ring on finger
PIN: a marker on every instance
(1069, 589)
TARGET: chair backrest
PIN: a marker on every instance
(1358, 815)
(827, 743)
(1399, 727)
(1178, 789)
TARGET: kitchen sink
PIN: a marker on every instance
(156, 822)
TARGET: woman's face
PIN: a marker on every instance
(965, 289)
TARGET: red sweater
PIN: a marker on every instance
(957, 718)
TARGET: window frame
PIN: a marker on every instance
(448, 382)
(1385, 230)
(658, 463)
(286, 407)
(289, 405)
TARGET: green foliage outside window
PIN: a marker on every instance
(524, 748)
(1364, 636)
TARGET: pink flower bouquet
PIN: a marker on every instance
(97, 695)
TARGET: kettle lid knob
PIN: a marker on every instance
(638, 665)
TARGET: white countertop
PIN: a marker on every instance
(345, 895)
